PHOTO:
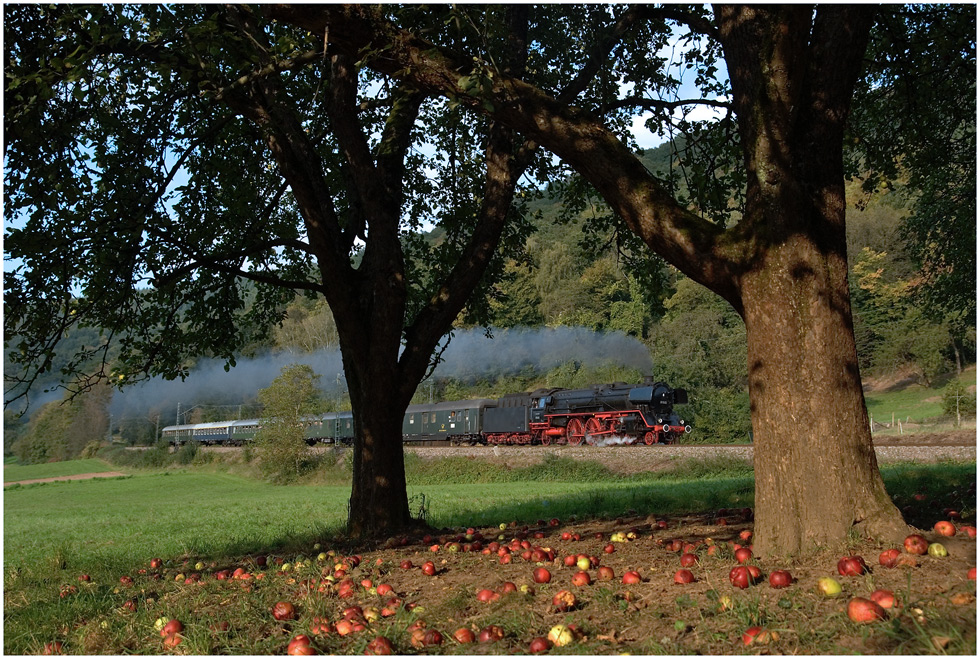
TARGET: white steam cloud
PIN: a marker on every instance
(470, 355)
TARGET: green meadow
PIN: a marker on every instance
(117, 522)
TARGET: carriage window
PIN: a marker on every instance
(411, 418)
(433, 417)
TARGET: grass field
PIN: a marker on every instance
(54, 532)
(913, 402)
(15, 472)
(87, 524)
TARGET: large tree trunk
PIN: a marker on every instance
(816, 473)
(378, 503)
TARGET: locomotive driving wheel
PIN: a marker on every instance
(650, 438)
(592, 428)
(575, 431)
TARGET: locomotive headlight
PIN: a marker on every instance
(682, 422)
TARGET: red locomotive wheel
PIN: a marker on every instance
(650, 438)
(592, 428)
(576, 432)
(543, 438)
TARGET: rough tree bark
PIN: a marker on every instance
(783, 267)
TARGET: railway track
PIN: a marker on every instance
(636, 459)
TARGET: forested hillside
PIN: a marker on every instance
(574, 273)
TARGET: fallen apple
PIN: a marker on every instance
(300, 645)
(487, 595)
(780, 579)
(561, 635)
(863, 610)
(539, 645)
(606, 573)
(542, 575)
(740, 577)
(564, 600)
(490, 634)
(428, 568)
(581, 578)
(851, 566)
(828, 587)
(632, 577)
(379, 646)
(916, 544)
(937, 550)
(463, 634)
(944, 528)
(759, 636)
(172, 626)
(884, 598)
(683, 576)
(889, 558)
(689, 560)
(283, 611)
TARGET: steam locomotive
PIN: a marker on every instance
(599, 415)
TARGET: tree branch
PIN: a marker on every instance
(697, 247)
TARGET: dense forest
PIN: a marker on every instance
(574, 272)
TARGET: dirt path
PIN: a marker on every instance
(76, 477)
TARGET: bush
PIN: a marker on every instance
(186, 453)
(957, 399)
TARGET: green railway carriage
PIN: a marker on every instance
(454, 422)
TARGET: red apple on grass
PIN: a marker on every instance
(542, 575)
(944, 528)
(173, 626)
(581, 579)
(283, 611)
(487, 595)
(564, 600)
(539, 645)
(743, 576)
(851, 566)
(970, 531)
(889, 557)
(758, 636)
(300, 645)
(683, 576)
(916, 544)
(428, 568)
(884, 598)
(464, 635)
(863, 610)
(780, 579)
(689, 560)
(379, 646)
(490, 634)
(606, 573)
(632, 577)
